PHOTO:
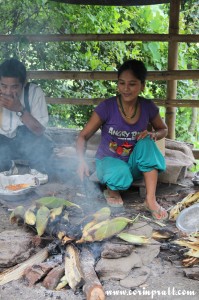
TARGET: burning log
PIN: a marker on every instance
(92, 288)
(73, 271)
(37, 272)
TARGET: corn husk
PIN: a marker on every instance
(192, 252)
(192, 245)
(105, 229)
(101, 215)
(53, 202)
(63, 282)
(42, 217)
(133, 239)
(189, 200)
(190, 261)
(160, 234)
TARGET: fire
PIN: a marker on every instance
(16, 187)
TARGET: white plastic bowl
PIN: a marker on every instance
(188, 219)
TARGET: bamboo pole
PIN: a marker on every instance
(172, 65)
(111, 75)
(96, 101)
(145, 37)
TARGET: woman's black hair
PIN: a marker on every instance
(13, 68)
(137, 67)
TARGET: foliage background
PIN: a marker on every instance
(48, 17)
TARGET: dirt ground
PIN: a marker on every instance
(166, 280)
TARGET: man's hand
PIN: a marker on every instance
(10, 102)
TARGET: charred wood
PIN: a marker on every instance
(92, 288)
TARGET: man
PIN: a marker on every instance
(23, 118)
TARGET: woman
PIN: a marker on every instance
(127, 150)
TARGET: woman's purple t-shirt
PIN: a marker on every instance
(118, 138)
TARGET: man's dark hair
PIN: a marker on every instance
(137, 67)
(13, 68)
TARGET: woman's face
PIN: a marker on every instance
(129, 86)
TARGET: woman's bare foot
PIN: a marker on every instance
(113, 198)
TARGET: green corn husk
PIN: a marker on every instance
(105, 229)
(53, 202)
(42, 217)
(102, 214)
(133, 239)
(17, 213)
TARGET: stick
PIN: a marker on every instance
(92, 288)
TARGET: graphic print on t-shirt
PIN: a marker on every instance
(126, 147)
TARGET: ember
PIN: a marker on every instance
(17, 187)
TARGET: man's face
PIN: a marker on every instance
(10, 86)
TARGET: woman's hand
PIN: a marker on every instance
(143, 134)
(82, 170)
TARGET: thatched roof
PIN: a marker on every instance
(114, 2)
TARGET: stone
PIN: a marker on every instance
(136, 277)
(16, 246)
(111, 250)
(118, 268)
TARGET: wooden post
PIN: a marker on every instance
(172, 65)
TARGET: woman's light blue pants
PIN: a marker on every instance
(119, 175)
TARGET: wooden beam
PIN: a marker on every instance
(45, 38)
(111, 75)
(114, 2)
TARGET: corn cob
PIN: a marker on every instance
(54, 212)
(63, 282)
(105, 229)
(17, 213)
(101, 215)
(29, 216)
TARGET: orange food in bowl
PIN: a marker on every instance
(16, 187)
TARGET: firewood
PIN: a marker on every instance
(36, 272)
(53, 277)
(92, 288)
(73, 270)
(17, 272)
